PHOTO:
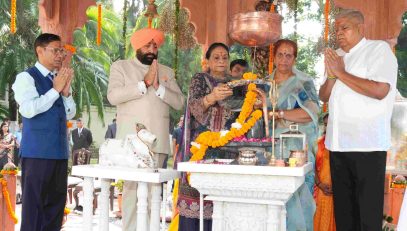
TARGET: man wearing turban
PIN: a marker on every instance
(143, 92)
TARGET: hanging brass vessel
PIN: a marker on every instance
(260, 28)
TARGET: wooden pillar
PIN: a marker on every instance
(62, 17)
(382, 17)
(211, 18)
(6, 223)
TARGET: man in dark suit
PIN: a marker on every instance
(111, 130)
(81, 136)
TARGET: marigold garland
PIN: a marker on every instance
(249, 76)
(326, 14)
(70, 48)
(9, 172)
(204, 64)
(149, 21)
(13, 12)
(216, 139)
(272, 8)
(271, 60)
(6, 194)
(69, 124)
(271, 64)
(67, 211)
(99, 29)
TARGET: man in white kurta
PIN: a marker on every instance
(360, 87)
(143, 91)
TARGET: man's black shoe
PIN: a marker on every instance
(78, 208)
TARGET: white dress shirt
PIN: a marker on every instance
(31, 103)
(357, 122)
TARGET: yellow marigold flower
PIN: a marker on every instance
(188, 177)
(249, 76)
(251, 88)
(229, 136)
(257, 113)
(199, 139)
(67, 211)
(210, 143)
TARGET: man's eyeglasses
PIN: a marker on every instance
(57, 51)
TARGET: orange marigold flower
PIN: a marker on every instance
(70, 48)
(249, 76)
(251, 87)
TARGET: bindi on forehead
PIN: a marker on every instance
(285, 53)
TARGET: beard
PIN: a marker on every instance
(147, 58)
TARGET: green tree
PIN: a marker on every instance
(401, 54)
(309, 51)
(92, 63)
(16, 50)
(238, 51)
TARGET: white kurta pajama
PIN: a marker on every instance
(358, 136)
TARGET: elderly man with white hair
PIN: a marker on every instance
(360, 88)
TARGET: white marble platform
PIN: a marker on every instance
(144, 177)
(246, 197)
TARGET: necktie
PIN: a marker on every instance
(50, 76)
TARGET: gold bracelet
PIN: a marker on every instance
(332, 77)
